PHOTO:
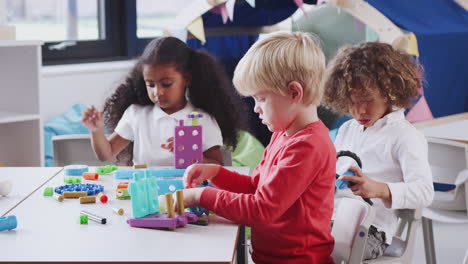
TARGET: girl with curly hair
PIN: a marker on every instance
(169, 81)
(374, 83)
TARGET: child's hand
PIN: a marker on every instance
(192, 197)
(92, 119)
(169, 145)
(198, 173)
(366, 187)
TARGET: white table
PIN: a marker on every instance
(25, 181)
(48, 230)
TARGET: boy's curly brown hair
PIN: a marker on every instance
(371, 65)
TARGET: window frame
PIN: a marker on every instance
(120, 41)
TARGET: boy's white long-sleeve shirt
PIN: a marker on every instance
(395, 152)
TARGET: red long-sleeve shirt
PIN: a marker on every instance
(288, 202)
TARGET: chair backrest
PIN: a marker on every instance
(402, 246)
(351, 223)
(75, 149)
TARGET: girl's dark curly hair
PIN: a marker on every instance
(209, 89)
(371, 65)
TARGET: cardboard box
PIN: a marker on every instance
(448, 157)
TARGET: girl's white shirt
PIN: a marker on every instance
(395, 152)
(149, 127)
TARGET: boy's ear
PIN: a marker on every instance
(296, 91)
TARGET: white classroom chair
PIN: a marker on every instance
(351, 223)
(75, 149)
(352, 220)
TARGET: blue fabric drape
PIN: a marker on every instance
(441, 28)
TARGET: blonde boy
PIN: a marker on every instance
(288, 201)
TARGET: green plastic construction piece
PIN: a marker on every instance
(83, 219)
(48, 191)
(194, 120)
(122, 194)
(106, 169)
(72, 180)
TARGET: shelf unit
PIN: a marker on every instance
(21, 136)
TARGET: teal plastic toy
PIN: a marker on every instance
(144, 193)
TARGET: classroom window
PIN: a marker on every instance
(153, 16)
(55, 20)
(77, 31)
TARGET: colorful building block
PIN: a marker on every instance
(48, 191)
(199, 211)
(74, 194)
(128, 174)
(58, 197)
(75, 170)
(83, 219)
(159, 173)
(91, 176)
(169, 220)
(188, 148)
(122, 194)
(71, 180)
(166, 172)
(90, 189)
(8, 222)
(144, 193)
(106, 169)
(122, 185)
(140, 166)
(194, 118)
(102, 197)
(170, 185)
(87, 199)
(118, 211)
(161, 220)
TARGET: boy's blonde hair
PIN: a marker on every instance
(280, 58)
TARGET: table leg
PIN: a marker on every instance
(428, 235)
(241, 247)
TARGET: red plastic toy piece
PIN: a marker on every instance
(102, 197)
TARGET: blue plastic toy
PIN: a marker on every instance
(8, 222)
(170, 185)
(198, 210)
(158, 173)
(167, 172)
(91, 189)
(346, 159)
(75, 170)
(340, 184)
(128, 174)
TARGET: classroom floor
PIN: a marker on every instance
(451, 243)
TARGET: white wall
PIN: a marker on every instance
(65, 85)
